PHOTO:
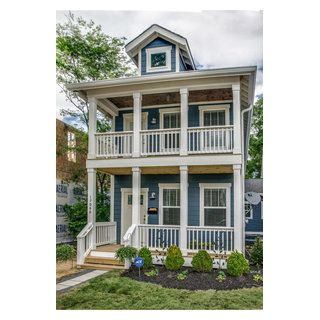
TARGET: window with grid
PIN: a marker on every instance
(214, 118)
(248, 210)
(71, 147)
(171, 206)
(215, 207)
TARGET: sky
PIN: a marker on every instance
(217, 39)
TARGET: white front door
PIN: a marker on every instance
(126, 214)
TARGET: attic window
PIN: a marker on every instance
(158, 59)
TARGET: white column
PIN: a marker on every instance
(236, 118)
(184, 121)
(136, 185)
(91, 206)
(183, 208)
(111, 198)
(238, 208)
(136, 123)
(92, 127)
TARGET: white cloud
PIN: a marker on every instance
(217, 38)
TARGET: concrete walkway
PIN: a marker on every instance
(64, 285)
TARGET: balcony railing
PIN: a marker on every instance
(215, 139)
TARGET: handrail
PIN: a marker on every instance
(161, 130)
(128, 235)
(210, 227)
(112, 132)
(85, 230)
(212, 127)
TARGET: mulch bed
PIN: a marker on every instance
(194, 280)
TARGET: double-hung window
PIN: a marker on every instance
(170, 204)
(158, 59)
(71, 147)
(215, 205)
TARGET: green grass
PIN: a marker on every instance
(112, 292)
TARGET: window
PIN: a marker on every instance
(215, 205)
(217, 115)
(248, 210)
(171, 120)
(170, 204)
(130, 199)
(71, 147)
(158, 59)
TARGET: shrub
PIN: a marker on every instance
(221, 276)
(145, 254)
(65, 252)
(258, 278)
(237, 265)
(174, 259)
(182, 275)
(126, 253)
(256, 253)
(152, 273)
(202, 262)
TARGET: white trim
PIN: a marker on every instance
(177, 59)
(111, 198)
(224, 107)
(144, 118)
(167, 50)
(251, 211)
(123, 192)
(139, 63)
(167, 110)
(161, 187)
(226, 186)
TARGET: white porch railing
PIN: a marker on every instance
(215, 139)
(158, 236)
(212, 239)
(160, 142)
(114, 144)
(106, 232)
(84, 242)
(128, 237)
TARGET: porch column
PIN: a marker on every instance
(111, 198)
(183, 208)
(91, 207)
(136, 123)
(236, 118)
(136, 186)
(184, 122)
(238, 212)
(92, 127)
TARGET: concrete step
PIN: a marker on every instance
(98, 266)
(102, 260)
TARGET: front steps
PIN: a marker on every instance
(93, 261)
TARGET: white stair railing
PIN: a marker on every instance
(128, 238)
(114, 144)
(160, 142)
(212, 239)
(84, 243)
(106, 232)
(215, 139)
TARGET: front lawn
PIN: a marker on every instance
(110, 291)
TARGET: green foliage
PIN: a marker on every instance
(153, 273)
(174, 259)
(65, 252)
(202, 262)
(127, 252)
(237, 265)
(76, 214)
(258, 278)
(221, 276)
(256, 252)
(254, 163)
(145, 254)
(182, 275)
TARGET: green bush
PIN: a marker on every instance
(256, 253)
(174, 259)
(127, 252)
(202, 262)
(237, 265)
(145, 254)
(65, 252)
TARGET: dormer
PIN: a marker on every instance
(158, 50)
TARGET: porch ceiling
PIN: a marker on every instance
(170, 98)
(170, 170)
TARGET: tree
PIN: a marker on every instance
(254, 163)
(85, 53)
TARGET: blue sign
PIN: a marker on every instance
(138, 262)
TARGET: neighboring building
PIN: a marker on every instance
(69, 165)
(254, 213)
(177, 153)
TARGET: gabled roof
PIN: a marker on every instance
(254, 185)
(152, 33)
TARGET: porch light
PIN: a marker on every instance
(153, 121)
(152, 196)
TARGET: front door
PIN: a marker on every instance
(127, 210)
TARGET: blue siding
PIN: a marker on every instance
(256, 223)
(182, 67)
(158, 42)
(152, 181)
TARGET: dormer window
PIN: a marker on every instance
(158, 59)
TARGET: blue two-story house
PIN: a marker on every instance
(176, 153)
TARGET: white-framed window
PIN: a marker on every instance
(158, 59)
(170, 118)
(71, 147)
(128, 121)
(215, 204)
(169, 201)
(248, 210)
(217, 115)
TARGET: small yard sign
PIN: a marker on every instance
(138, 262)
